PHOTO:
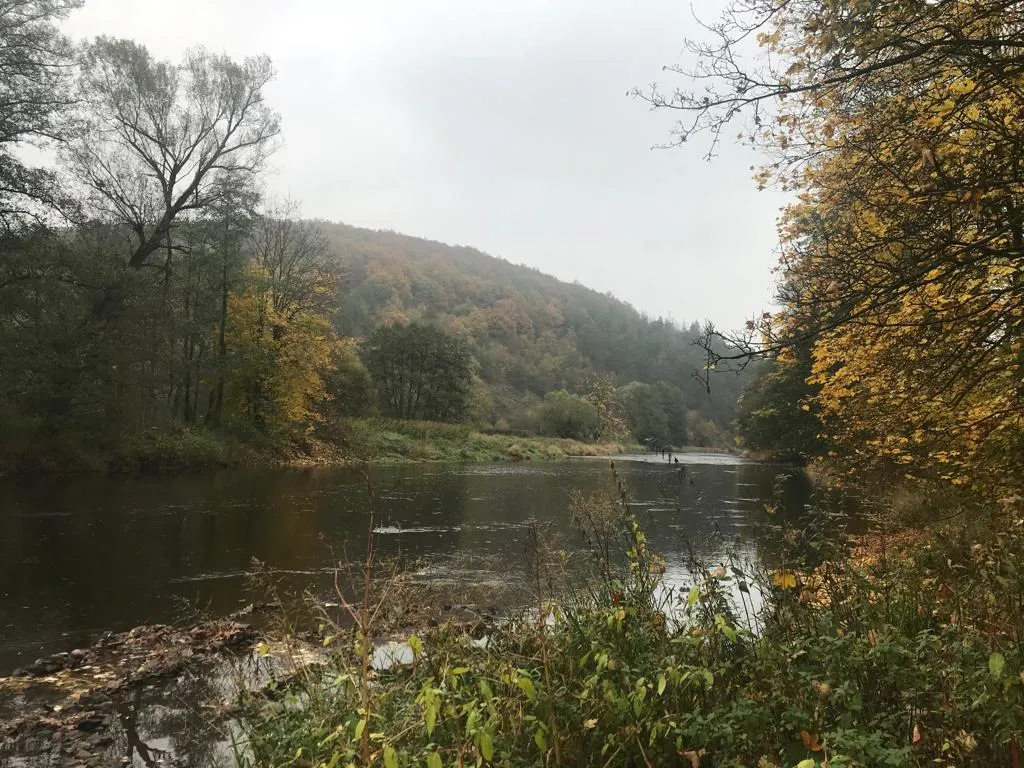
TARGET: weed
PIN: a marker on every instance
(909, 660)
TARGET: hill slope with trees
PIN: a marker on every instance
(531, 334)
(155, 307)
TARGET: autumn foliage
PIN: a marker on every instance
(899, 127)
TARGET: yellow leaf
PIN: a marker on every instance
(784, 580)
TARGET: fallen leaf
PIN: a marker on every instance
(810, 741)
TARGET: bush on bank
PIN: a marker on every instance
(890, 658)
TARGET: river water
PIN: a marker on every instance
(82, 556)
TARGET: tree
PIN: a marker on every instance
(571, 416)
(279, 361)
(421, 372)
(282, 329)
(349, 386)
(293, 258)
(34, 96)
(777, 413)
(230, 224)
(655, 413)
(900, 124)
(158, 140)
(602, 395)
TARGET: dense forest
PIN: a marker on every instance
(531, 335)
(154, 298)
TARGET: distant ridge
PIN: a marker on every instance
(530, 332)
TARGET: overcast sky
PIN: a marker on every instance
(500, 124)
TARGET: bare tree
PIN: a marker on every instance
(34, 94)
(292, 256)
(158, 140)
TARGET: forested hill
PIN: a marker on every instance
(530, 333)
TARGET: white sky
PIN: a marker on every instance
(499, 124)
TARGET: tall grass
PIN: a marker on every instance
(393, 440)
(886, 658)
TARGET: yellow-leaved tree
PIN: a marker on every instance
(280, 334)
(900, 127)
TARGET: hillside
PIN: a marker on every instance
(530, 333)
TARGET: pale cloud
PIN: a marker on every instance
(501, 125)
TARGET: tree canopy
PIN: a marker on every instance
(421, 372)
(529, 333)
(34, 96)
(900, 127)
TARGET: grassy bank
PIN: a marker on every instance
(390, 440)
(887, 652)
(348, 441)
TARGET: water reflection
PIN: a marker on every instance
(79, 557)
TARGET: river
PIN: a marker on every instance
(82, 556)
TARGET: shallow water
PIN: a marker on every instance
(82, 556)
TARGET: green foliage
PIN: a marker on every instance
(395, 440)
(421, 372)
(816, 661)
(349, 387)
(655, 413)
(777, 413)
(567, 415)
(529, 333)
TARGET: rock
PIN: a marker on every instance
(92, 722)
(101, 740)
(48, 665)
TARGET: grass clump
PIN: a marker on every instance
(393, 440)
(904, 658)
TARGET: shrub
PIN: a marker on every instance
(899, 661)
(567, 415)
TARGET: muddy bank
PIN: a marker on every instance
(135, 698)
(166, 696)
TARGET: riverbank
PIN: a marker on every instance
(346, 442)
(884, 651)
(889, 649)
(104, 705)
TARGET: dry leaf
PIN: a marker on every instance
(810, 741)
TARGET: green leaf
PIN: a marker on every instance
(996, 664)
(434, 760)
(390, 757)
(662, 682)
(485, 691)
(415, 644)
(487, 746)
(459, 671)
(693, 597)
(540, 739)
(360, 727)
(526, 686)
(430, 716)
(806, 764)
